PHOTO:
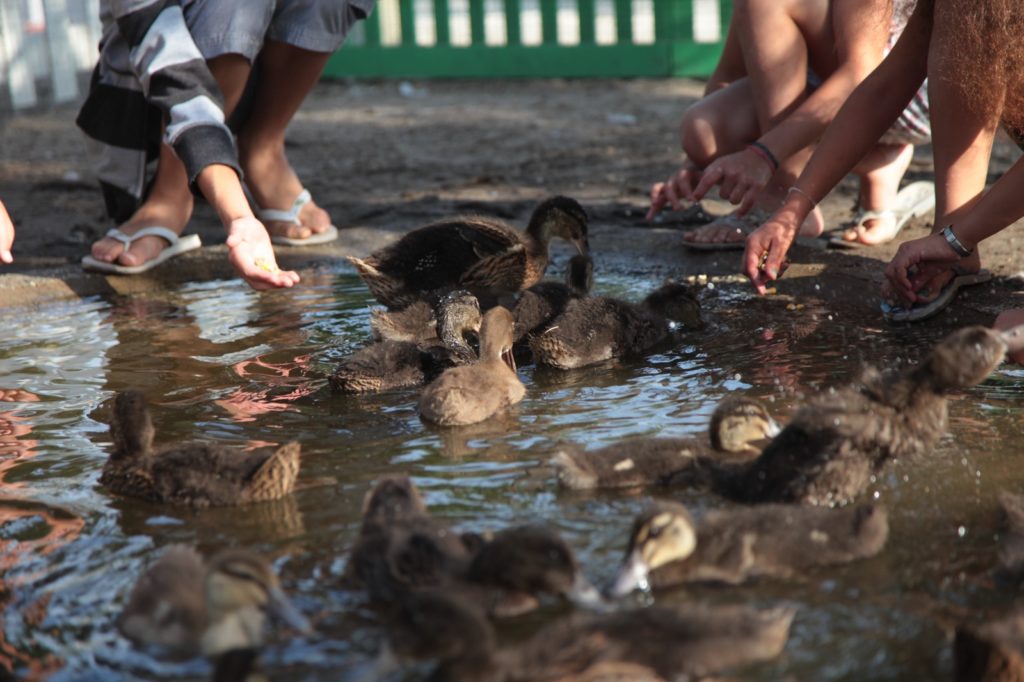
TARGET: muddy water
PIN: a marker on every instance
(219, 361)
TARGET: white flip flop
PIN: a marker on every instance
(913, 201)
(291, 215)
(175, 247)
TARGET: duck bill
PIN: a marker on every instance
(774, 428)
(584, 594)
(509, 359)
(632, 576)
(582, 245)
(283, 610)
(1014, 339)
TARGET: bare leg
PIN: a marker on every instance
(170, 202)
(287, 74)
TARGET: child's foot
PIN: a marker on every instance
(1007, 320)
(274, 185)
(883, 215)
(172, 215)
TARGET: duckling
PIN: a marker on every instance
(655, 644)
(828, 452)
(185, 605)
(401, 547)
(471, 394)
(595, 329)
(733, 546)
(387, 365)
(737, 426)
(990, 652)
(471, 252)
(192, 473)
(540, 304)
(1011, 551)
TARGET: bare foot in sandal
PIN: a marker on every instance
(731, 231)
(162, 210)
(275, 186)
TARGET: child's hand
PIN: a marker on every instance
(679, 185)
(6, 235)
(252, 256)
(740, 178)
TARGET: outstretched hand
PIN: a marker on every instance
(917, 262)
(764, 259)
(680, 185)
(252, 256)
(740, 177)
(6, 235)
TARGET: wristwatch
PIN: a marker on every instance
(955, 243)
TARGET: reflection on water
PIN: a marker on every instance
(221, 361)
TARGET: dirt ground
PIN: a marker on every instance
(386, 157)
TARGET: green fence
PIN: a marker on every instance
(535, 38)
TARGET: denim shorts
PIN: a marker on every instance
(241, 26)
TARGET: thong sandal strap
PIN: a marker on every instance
(290, 215)
(164, 233)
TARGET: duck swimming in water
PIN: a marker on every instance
(738, 427)
(388, 365)
(471, 394)
(402, 548)
(835, 442)
(476, 253)
(189, 606)
(192, 473)
(537, 306)
(666, 548)
(655, 644)
(598, 328)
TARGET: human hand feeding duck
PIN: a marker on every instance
(477, 253)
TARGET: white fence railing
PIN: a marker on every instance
(46, 49)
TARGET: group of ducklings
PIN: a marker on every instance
(437, 589)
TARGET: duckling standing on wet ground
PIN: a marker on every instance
(666, 548)
(192, 473)
(656, 644)
(598, 328)
(387, 365)
(738, 427)
(832, 446)
(476, 253)
(190, 607)
(470, 394)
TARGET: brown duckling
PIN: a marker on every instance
(655, 644)
(401, 547)
(738, 427)
(599, 328)
(666, 548)
(834, 443)
(388, 365)
(471, 394)
(188, 606)
(192, 473)
(543, 302)
(471, 252)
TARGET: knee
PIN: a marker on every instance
(697, 136)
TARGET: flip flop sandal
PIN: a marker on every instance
(914, 200)
(939, 303)
(175, 247)
(267, 215)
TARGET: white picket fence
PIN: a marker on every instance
(47, 47)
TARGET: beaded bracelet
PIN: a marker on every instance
(765, 154)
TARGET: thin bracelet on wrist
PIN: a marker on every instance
(954, 243)
(765, 153)
(799, 191)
